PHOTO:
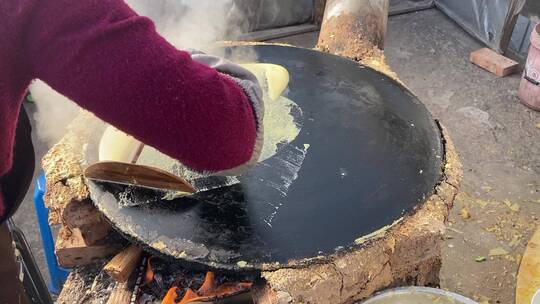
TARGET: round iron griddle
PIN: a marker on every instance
(368, 153)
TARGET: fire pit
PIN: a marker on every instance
(156, 281)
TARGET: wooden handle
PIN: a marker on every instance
(137, 153)
(138, 175)
(122, 265)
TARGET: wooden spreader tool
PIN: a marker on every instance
(132, 174)
(137, 175)
(126, 168)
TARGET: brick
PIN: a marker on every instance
(493, 62)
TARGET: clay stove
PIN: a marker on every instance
(355, 204)
(365, 210)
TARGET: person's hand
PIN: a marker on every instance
(249, 83)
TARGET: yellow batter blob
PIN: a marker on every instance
(273, 77)
(279, 125)
(279, 128)
(116, 145)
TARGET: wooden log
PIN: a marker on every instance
(63, 160)
(95, 232)
(126, 292)
(85, 285)
(354, 28)
(121, 294)
(81, 239)
(62, 194)
(87, 218)
(72, 251)
(90, 285)
(63, 166)
(123, 264)
(77, 214)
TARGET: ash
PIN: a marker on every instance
(92, 281)
(135, 196)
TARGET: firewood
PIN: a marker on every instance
(121, 266)
(121, 294)
(57, 197)
(72, 251)
(81, 213)
(94, 233)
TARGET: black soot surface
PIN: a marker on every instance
(368, 152)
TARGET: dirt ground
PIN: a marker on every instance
(497, 139)
(498, 207)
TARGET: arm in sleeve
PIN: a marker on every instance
(112, 62)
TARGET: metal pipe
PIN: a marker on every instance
(354, 28)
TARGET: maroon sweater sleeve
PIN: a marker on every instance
(111, 61)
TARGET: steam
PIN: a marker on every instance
(53, 113)
(347, 6)
(191, 24)
(351, 6)
(186, 24)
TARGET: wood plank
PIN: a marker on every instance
(493, 62)
(512, 15)
(528, 278)
(123, 264)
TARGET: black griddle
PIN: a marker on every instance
(367, 154)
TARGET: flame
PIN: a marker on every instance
(170, 297)
(149, 275)
(208, 284)
(206, 292)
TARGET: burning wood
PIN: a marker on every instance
(207, 292)
(170, 284)
(149, 274)
(123, 264)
